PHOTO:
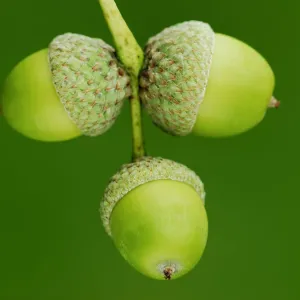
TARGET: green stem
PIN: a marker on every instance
(136, 118)
(131, 56)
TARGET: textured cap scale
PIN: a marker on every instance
(175, 75)
(140, 172)
(89, 80)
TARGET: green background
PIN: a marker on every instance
(52, 242)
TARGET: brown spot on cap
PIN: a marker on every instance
(121, 72)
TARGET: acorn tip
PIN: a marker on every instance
(274, 103)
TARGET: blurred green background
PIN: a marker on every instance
(52, 242)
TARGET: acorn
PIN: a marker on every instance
(74, 87)
(153, 209)
(196, 81)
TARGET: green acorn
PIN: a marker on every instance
(75, 87)
(205, 83)
(153, 209)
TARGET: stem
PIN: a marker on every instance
(131, 56)
(136, 119)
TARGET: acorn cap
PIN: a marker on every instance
(175, 75)
(146, 169)
(89, 80)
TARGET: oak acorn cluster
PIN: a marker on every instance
(193, 81)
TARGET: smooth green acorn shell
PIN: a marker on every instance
(153, 209)
(30, 104)
(239, 90)
(76, 86)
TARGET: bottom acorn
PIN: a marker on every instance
(153, 209)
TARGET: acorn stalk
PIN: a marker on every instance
(132, 57)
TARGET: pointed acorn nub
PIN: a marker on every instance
(153, 209)
(274, 103)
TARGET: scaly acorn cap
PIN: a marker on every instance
(144, 170)
(175, 75)
(90, 82)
